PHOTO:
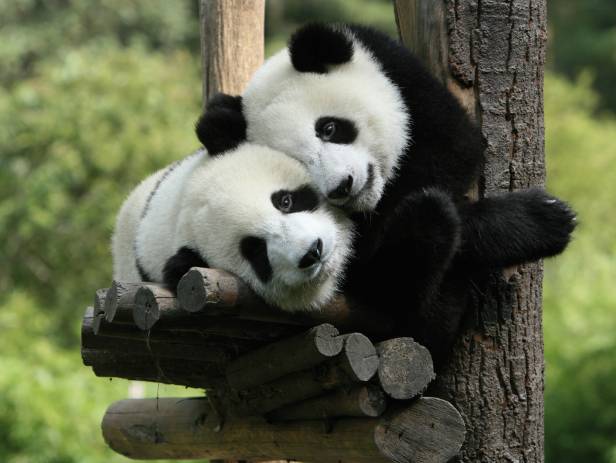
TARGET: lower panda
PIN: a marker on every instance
(251, 212)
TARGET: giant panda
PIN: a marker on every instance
(387, 142)
(251, 212)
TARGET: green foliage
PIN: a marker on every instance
(35, 30)
(583, 37)
(90, 126)
(579, 302)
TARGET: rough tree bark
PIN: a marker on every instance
(490, 53)
(232, 34)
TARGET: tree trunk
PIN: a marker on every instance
(490, 54)
(232, 35)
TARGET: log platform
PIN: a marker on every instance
(331, 385)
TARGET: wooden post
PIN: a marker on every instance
(232, 45)
(232, 36)
(491, 56)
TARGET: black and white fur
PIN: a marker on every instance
(386, 141)
(251, 212)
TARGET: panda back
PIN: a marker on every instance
(159, 233)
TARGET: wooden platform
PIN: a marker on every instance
(312, 386)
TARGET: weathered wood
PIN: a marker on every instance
(358, 362)
(405, 368)
(99, 300)
(153, 303)
(494, 54)
(219, 293)
(232, 36)
(428, 431)
(359, 401)
(231, 328)
(168, 344)
(119, 301)
(283, 357)
(120, 364)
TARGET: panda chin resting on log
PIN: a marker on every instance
(251, 212)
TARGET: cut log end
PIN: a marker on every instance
(146, 311)
(326, 340)
(360, 357)
(429, 430)
(372, 400)
(192, 291)
(405, 368)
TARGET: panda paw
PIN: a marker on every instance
(553, 221)
(426, 223)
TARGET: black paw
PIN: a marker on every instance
(553, 221)
(426, 222)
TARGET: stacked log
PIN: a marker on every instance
(429, 430)
(260, 366)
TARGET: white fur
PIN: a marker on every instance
(210, 204)
(281, 106)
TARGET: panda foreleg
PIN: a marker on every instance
(513, 228)
(419, 241)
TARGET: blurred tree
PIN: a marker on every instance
(583, 37)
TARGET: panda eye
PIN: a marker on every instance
(286, 203)
(335, 130)
(328, 131)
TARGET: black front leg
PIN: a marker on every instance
(513, 228)
(417, 244)
(180, 263)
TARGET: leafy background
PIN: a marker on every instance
(95, 95)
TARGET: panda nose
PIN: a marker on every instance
(313, 255)
(342, 190)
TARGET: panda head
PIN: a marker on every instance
(253, 212)
(326, 101)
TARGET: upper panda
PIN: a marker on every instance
(251, 212)
(360, 111)
(388, 143)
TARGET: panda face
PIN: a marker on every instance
(253, 212)
(347, 124)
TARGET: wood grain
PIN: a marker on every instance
(429, 431)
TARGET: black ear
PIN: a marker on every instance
(222, 126)
(315, 46)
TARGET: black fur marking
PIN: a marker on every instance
(515, 228)
(316, 46)
(160, 181)
(302, 199)
(222, 126)
(180, 263)
(254, 251)
(447, 148)
(335, 130)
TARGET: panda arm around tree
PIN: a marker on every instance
(392, 130)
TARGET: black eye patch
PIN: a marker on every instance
(335, 130)
(300, 200)
(254, 250)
